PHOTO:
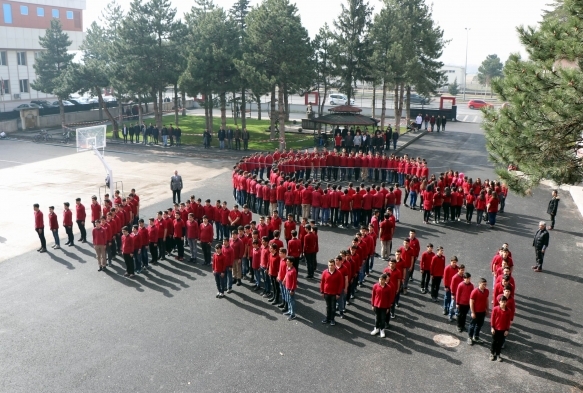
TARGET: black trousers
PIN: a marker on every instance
(41, 235)
(446, 209)
(437, 213)
(169, 242)
(311, 263)
(176, 196)
(380, 320)
(426, 215)
(70, 237)
(476, 324)
(81, 225)
(180, 246)
(153, 252)
(129, 261)
(497, 341)
(552, 220)
(435, 282)
(469, 212)
(161, 249)
(330, 306)
(275, 288)
(540, 256)
(462, 315)
(425, 275)
(206, 252)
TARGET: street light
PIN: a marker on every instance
(466, 68)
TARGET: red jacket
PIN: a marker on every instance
(382, 297)
(426, 259)
(53, 222)
(219, 263)
(437, 266)
(178, 228)
(455, 282)
(99, 237)
(294, 248)
(127, 244)
(192, 231)
(463, 293)
(480, 299)
(206, 233)
(310, 243)
(291, 279)
(229, 254)
(448, 274)
(500, 319)
(95, 211)
(153, 233)
(67, 218)
(332, 283)
(80, 210)
(39, 221)
(274, 261)
(256, 258)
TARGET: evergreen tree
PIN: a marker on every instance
(490, 68)
(323, 47)
(539, 130)
(51, 64)
(352, 52)
(453, 88)
(238, 13)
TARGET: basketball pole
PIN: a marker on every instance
(107, 168)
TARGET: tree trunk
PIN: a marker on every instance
(183, 102)
(258, 98)
(384, 105)
(272, 113)
(62, 113)
(243, 109)
(223, 98)
(401, 93)
(120, 113)
(108, 114)
(206, 112)
(397, 113)
(140, 117)
(286, 107)
(408, 104)
(374, 99)
(160, 110)
(282, 115)
(176, 104)
(211, 120)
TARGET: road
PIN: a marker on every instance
(66, 327)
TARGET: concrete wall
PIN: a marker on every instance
(9, 126)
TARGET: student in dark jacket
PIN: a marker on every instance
(443, 122)
(552, 208)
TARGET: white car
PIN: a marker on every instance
(26, 106)
(93, 100)
(65, 103)
(340, 99)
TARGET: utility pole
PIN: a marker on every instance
(466, 68)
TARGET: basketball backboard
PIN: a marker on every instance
(90, 137)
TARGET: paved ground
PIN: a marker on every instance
(66, 327)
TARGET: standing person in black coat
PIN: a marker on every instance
(131, 130)
(540, 244)
(552, 208)
(388, 137)
(443, 122)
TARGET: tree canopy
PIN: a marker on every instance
(539, 131)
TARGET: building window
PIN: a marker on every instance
(40, 11)
(70, 15)
(7, 9)
(36, 55)
(56, 14)
(21, 56)
(23, 10)
(24, 85)
(4, 86)
(77, 15)
(3, 60)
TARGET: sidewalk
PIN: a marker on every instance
(575, 191)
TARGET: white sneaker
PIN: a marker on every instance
(383, 333)
(374, 332)
(56, 247)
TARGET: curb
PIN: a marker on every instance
(411, 141)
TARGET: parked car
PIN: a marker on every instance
(65, 103)
(26, 106)
(93, 100)
(75, 101)
(340, 99)
(419, 100)
(42, 103)
(477, 104)
(109, 99)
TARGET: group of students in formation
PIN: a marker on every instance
(292, 186)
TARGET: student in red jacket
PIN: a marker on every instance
(456, 280)
(95, 210)
(331, 285)
(425, 267)
(68, 224)
(127, 249)
(448, 274)
(54, 227)
(290, 283)
(206, 238)
(80, 210)
(436, 270)
(310, 251)
(153, 240)
(462, 300)
(179, 236)
(219, 268)
(381, 300)
(478, 308)
(192, 235)
(500, 325)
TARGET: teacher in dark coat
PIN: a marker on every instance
(176, 187)
(540, 244)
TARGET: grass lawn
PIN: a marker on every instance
(193, 126)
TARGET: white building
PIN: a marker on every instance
(453, 72)
(21, 25)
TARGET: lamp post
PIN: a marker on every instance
(466, 67)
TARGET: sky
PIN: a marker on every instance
(492, 23)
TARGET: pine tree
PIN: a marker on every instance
(323, 47)
(490, 68)
(453, 88)
(539, 130)
(239, 12)
(352, 52)
(52, 63)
